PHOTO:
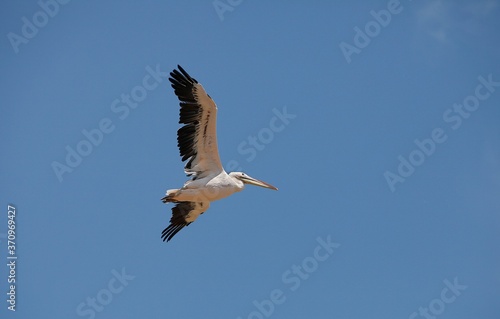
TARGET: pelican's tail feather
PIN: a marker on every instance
(170, 198)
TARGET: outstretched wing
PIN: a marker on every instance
(183, 214)
(197, 139)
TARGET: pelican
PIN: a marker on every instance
(197, 142)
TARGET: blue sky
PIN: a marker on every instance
(377, 120)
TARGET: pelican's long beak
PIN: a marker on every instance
(253, 181)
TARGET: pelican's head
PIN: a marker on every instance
(240, 176)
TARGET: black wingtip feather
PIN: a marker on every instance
(186, 74)
(189, 114)
(169, 232)
(178, 220)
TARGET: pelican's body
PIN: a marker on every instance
(197, 141)
(211, 188)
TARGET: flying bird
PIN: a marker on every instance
(197, 142)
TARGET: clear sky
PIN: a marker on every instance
(377, 120)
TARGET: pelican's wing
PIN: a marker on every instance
(183, 214)
(197, 139)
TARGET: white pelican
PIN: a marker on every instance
(197, 142)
